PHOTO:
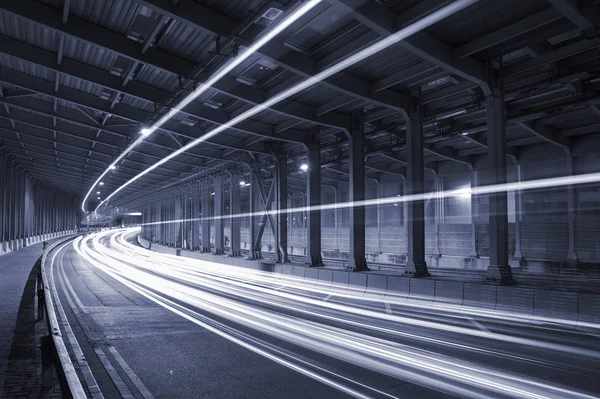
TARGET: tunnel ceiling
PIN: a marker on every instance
(78, 80)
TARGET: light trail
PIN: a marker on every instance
(203, 87)
(413, 28)
(246, 297)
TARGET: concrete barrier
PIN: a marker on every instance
(287, 270)
(299, 271)
(449, 292)
(357, 282)
(589, 310)
(398, 287)
(326, 276)
(479, 295)
(421, 290)
(312, 273)
(555, 304)
(376, 285)
(515, 299)
(340, 279)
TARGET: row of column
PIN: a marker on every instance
(28, 209)
(173, 233)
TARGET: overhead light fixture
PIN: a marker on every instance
(134, 214)
(227, 68)
(272, 12)
(385, 43)
(112, 167)
(304, 167)
(97, 192)
(212, 193)
(101, 183)
(465, 133)
(242, 183)
(99, 198)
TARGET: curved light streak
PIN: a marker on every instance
(222, 72)
(305, 84)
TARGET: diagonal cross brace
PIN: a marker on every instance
(266, 201)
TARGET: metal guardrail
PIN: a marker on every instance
(71, 386)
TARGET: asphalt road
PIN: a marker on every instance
(153, 325)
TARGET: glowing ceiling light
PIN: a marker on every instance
(112, 167)
(97, 192)
(305, 84)
(242, 183)
(304, 167)
(99, 198)
(101, 183)
(230, 66)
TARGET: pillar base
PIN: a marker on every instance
(205, 249)
(314, 261)
(255, 255)
(499, 274)
(284, 260)
(234, 254)
(219, 251)
(358, 265)
(416, 269)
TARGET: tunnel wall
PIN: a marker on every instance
(30, 212)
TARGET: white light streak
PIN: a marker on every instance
(340, 66)
(223, 71)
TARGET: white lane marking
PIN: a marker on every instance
(478, 325)
(132, 376)
(327, 297)
(278, 288)
(114, 375)
(388, 308)
(86, 371)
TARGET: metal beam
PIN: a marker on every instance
(378, 18)
(545, 134)
(571, 10)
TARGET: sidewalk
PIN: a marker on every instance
(20, 333)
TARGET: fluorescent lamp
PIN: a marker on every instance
(97, 192)
(134, 214)
(413, 28)
(99, 198)
(212, 193)
(101, 183)
(242, 183)
(230, 66)
(112, 167)
(304, 167)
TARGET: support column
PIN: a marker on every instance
(206, 215)
(499, 270)
(219, 224)
(281, 199)
(439, 204)
(235, 210)
(571, 254)
(2, 194)
(195, 222)
(416, 265)
(158, 230)
(313, 198)
(474, 215)
(254, 200)
(177, 223)
(518, 212)
(356, 194)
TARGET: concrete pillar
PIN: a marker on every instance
(499, 269)
(195, 222)
(313, 198)
(356, 194)
(336, 219)
(416, 265)
(437, 217)
(474, 215)
(518, 212)
(571, 254)
(235, 209)
(2, 195)
(281, 199)
(206, 215)
(159, 218)
(219, 215)
(177, 222)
